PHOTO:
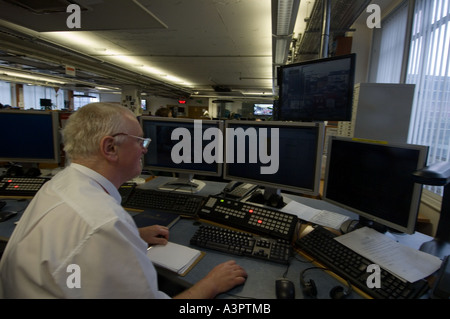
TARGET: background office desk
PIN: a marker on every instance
(262, 275)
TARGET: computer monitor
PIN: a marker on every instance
(375, 181)
(263, 109)
(317, 90)
(185, 146)
(29, 136)
(45, 103)
(276, 156)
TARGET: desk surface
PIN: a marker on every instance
(262, 275)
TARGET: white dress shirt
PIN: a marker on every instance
(76, 241)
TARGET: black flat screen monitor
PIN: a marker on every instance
(375, 181)
(317, 90)
(276, 155)
(185, 146)
(29, 136)
(45, 102)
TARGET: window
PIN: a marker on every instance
(429, 69)
(389, 47)
(427, 66)
(80, 99)
(32, 94)
(5, 93)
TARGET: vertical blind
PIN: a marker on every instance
(5, 93)
(429, 69)
(32, 95)
(390, 43)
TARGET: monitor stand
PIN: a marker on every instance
(440, 245)
(270, 197)
(185, 183)
(354, 224)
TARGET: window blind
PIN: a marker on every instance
(429, 69)
(388, 47)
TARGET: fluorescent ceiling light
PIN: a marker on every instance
(32, 77)
(284, 16)
(89, 43)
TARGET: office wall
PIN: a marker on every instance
(361, 45)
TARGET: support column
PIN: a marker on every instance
(131, 98)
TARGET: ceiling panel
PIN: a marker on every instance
(201, 44)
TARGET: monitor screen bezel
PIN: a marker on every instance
(56, 139)
(260, 181)
(417, 188)
(219, 165)
(282, 115)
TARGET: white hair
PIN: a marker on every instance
(86, 127)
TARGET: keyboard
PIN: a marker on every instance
(179, 203)
(321, 246)
(126, 189)
(21, 186)
(249, 217)
(242, 243)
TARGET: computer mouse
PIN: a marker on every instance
(284, 289)
(7, 214)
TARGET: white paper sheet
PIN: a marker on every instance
(316, 216)
(405, 262)
(175, 257)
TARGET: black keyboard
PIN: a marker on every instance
(179, 203)
(241, 243)
(126, 189)
(21, 186)
(248, 217)
(321, 246)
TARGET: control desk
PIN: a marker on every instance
(262, 276)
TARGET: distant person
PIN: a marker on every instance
(76, 222)
(163, 112)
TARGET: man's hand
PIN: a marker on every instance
(155, 235)
(220, 279)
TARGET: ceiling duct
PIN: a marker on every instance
(343, 14)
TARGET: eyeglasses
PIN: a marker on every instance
(144, 142)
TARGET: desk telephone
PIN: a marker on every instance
(236, 189)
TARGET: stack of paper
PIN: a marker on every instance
(316, 216)
(174, 257)
(405, 262)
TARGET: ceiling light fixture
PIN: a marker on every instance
(31, 77)
(283, 23)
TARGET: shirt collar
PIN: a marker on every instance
(100, 179)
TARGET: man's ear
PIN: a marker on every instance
(108, 148)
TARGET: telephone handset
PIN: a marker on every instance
(238, 189)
